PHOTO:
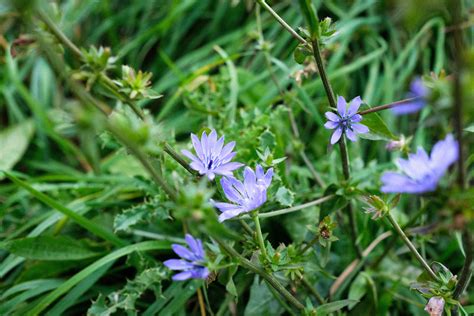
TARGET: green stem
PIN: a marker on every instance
(310, 244)
(281, 21)
(322, 73)
(411, 246)
(267, 277)
(177, 157)
(310, 287)
(342, 142)
(159, 180)
(258, 231)
(59, 34)
(466, 272)
(292, 209)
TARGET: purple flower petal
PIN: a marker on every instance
(230, 214)
(193, 244)
(178, 264)
(354, 106)
(230, 192)
(197, 146)
(336, 136)
(250, 180)
(201, 273)
(351, 135)
(331, 125)
(183, 252)
(182, 276)
(356, 118)
(226, 169)
(227, 149)
(332, 116)
(188, 154)
(444, 153)
(341, 106)
(360, 128)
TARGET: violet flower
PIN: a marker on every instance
(212, 156)
(246, 196)
(192, 260)
(346, 121)
(417, 90)
(420, 173)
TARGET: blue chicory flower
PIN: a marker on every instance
(421, 173)
(246, 196)
(212, 156)
(346, 121)
(417, 90)
(192, 261)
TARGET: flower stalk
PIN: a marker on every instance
(258, 232)
(410, 246)
(388, 106)
(342, 143)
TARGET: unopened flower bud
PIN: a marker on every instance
(435, 306)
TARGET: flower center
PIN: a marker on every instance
(345, 123)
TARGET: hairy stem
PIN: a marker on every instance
(410, 246)
(247, 264)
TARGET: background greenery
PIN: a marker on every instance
(210, 64)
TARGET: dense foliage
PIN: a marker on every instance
(226, 157)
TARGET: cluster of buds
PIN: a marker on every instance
(378, 208)
(326, 231)
(402, 144)
(267, 158)
(136, 85)
(99, 60)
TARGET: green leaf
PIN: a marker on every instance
(309, 13)
(378, 129)
(333, 307)
(78, 277)
(261, 301)
(285, 197)
(357, 290)
(48, 248)
(470, 128)
(14, 141)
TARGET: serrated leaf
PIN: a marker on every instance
(48, 248)
(14, 141)
(284, 196)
